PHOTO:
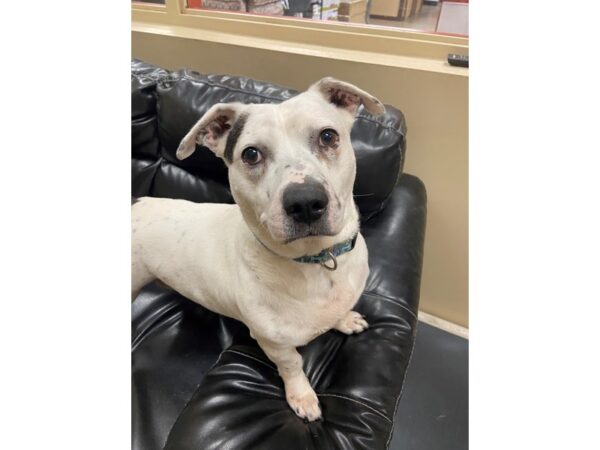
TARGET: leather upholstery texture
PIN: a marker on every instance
(199, 381)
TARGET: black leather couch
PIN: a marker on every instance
(199, 381)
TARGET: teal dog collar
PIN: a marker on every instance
(329, 254)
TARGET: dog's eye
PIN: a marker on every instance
(328, 138)
(252, 156)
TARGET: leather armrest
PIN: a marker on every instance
(395, 239)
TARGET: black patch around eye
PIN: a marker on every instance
(233, 137)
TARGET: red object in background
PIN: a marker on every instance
(194, 4)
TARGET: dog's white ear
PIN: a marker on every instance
(347, 96)
(211, 130)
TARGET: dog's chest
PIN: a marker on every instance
(302, 312)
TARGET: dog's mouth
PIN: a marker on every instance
(308, 233)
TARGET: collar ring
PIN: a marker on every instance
(331, 258)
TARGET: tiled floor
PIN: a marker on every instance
(433, 411)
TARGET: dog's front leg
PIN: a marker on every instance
(299, 394)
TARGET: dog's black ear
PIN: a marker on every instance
(211, 130)
(347, 96)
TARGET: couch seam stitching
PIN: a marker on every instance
(251, 357)
(414, 340)
(379, 413)
(375, 294)
(381, 124)
(208, 83)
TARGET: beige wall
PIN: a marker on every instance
(436, 109)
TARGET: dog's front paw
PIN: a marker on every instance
(305, 406)
(352, 323)
(302, 399)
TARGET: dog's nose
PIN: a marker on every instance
(305, 202)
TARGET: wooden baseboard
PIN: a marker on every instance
(444, 325)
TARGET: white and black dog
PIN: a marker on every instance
(287, 259)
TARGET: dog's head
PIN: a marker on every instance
(291, 165)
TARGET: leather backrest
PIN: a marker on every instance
(165, 105)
